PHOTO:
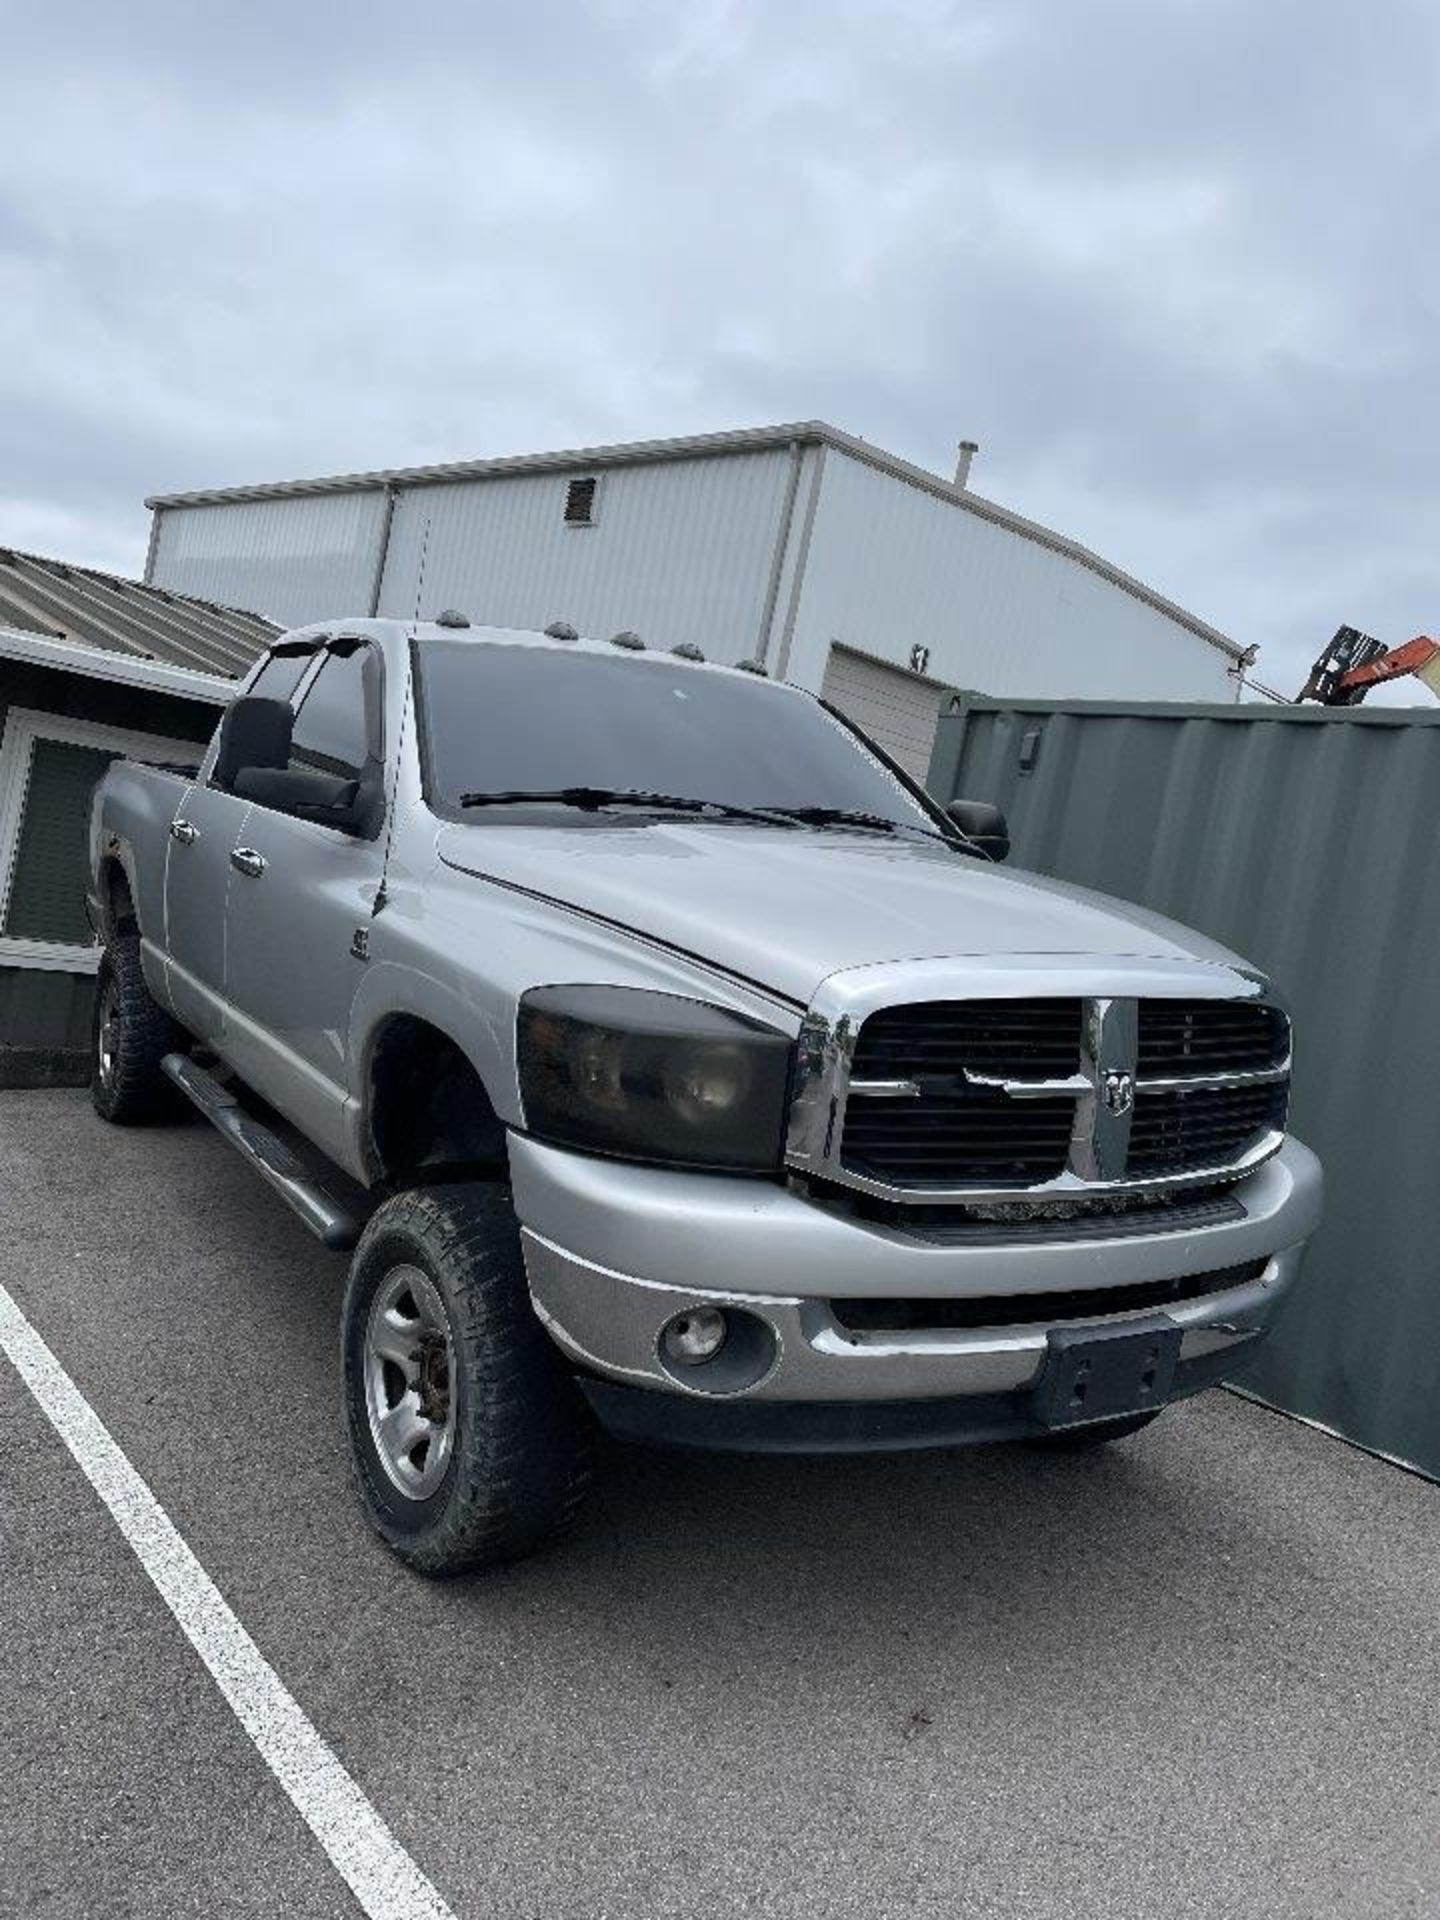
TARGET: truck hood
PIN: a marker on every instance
(785, 907)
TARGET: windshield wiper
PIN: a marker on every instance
(592, 799)
(857, 817)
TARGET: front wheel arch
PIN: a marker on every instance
(428, 1113)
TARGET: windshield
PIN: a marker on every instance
(514, 721)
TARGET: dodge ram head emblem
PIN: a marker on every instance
(1119, 1092)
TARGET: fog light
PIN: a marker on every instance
(695, 1335)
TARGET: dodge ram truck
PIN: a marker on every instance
(670, 1063)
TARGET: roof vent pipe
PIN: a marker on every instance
(965, 454)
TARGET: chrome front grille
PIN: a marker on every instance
(1060, 1094)
(940, 1139)
(952, 1127)
(1191, 1036)
(1178, 1131)
(948, 1037)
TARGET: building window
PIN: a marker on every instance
(580, 502)
(49, 768)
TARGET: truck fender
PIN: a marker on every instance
(389, 995)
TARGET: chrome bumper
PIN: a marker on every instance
(613, 1252)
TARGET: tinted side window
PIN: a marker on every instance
(280, 676)
(331, 735)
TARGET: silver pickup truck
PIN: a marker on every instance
(672, 1063)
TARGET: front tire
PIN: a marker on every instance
(130, 1035)
(469, 1437)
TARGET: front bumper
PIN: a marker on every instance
(613, 1252)
(841, 1426)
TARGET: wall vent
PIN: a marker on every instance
(580, 502)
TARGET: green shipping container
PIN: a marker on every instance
(1309, 840)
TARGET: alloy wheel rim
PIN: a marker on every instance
(409, 1363)
(107, 1042)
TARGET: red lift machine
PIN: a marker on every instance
(1354, 662)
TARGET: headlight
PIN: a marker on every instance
(651, 1076)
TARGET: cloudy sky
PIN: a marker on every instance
(1172, 263)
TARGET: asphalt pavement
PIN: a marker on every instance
(1196, 1675)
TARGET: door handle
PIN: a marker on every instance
(182, 831)
(247, 860)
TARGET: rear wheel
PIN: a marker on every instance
(1085, 1439)
(131, 1035)
(470, 1439)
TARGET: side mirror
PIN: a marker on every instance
(254, 733)
(983, 824)
(327, 798)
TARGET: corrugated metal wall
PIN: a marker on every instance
(891, 565)
(299, 558)
(1306, 840)
(679, 551)
(784, 551)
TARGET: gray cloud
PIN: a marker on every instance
(1172, 263)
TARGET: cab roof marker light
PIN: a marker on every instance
(628, 639)
(687, 650)
(451, 618)
(751, 666)
(561, 630)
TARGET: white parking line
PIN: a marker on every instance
(377, 1869)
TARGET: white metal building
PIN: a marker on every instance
(834, 563)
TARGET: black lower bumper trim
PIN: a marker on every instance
(841, 1426)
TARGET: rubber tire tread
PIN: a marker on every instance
(140, 1092)
(524, 1441)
